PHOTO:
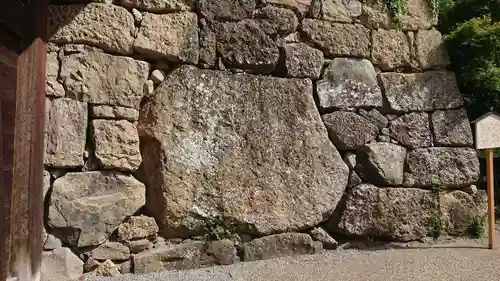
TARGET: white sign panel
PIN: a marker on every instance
(487, 131)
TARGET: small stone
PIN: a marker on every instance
(348, 130)
(350, 159)
(391, 117)
(157, 76)
(138, 246)
(385, 131)
(302, 61)
(111, 251)
(319, 234)
(430, 49)
(114, 112)
(275, 20)
(377, 118)
(381, 163)
(354, 180)
(149, 88)
(137, 227)
(221, 252)
(383, 138)
(412, 130)
(293, 38)
(52, 243)
(390, 49)
(137, 16)
(451, 127)
(126, 267)
(107, 268)
(208, 44)
(279, 245)
(471, 189)
(90, 264)
(227, 10)
(46, 184)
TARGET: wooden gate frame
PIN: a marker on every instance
(22, 106)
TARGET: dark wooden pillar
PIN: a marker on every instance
(22, 98)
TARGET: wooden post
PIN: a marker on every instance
(490, 173)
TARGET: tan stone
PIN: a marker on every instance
(111, 251)
(337, 10)
(168, 257)
(412, 130)
(430, 49)
(417, 16)
(137, 227)
(107, 268)
(53, 87)
(390, 49)
(115, 112)
(61, 264)
(460, 211)
(280, 245)
(159, 6)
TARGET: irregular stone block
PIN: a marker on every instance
(116, 144)
(226, 10)
(451, 127)
(159, 6)
(349, 83)
(52, 86)
(275, 20)
(319, 234)
(336, 10)
(441, 166)
(348, 130)
(168, 257)
(430, 49)
(85, 208)
(354, 180)
(108, 269)
(279, 245)
(65, 132)
(390, 49)
(417, 16)
(52, 243)
(428, 91)
(114, 112)
(100, 78)
(61, 264)
(376, 118)
(338, 39)
(302, 61)
(401, 214)
(300, 6)
(208, 44)
(109, 27)
(460, 211)
(245, 45)
(138, 246)
(208, 165)
(381, 163)
(137, 227)
(173, 37)
(412, 130)
(221, 252)
(111, 251)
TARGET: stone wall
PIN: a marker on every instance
(184, 133)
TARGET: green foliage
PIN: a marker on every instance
(478, 227)
(396, 8)
(218, 230)
(436, 226)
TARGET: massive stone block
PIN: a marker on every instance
(430, 49)
(451, 127)
(247, 149)
(412, 130)
(381, 163)
(390, 49)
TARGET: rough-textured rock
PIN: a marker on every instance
(61, 264)
(460, 211)
(412, 130)
(376, 118)
(437, 166)
(101, 78)
(430, 49)
(299, 6)
(402, 214)
(168, 257)
(348, 130)
(417, 15)
(245, 45)
(126, 267)
(107, 268)
(116, 144)
(231, 146)
(138, 246)
(302, 61)
(114, 112)
(90, 264)
(111, 251)
(349, 83)
(159, 6)
(52, 85)
(381, 163)
(85, 208)
(427, 91)
(338, 39)
(137, 227)
(390, 49)
(319, 234)
(173, 37)
(65, 132)
(354, 180)
(109, 27)
(52, 243)
(208, 44)
(279, 245)
(225, 10)
(221, 252)
(451, 127)
(350, 160)
(275, 20)
(336, 10)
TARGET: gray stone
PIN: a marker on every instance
(138, 246)
(109, 27)
(319, 234)
(52, 243)
(354, 180)
(208, 44)
(412, 130)
(338, 39)
(46, 183)
(61, 264)
(225, 10)
(418, 15)
(157, 76)
(90, 264)
(441, 166)
(279, 245)
(111, 251)
(299, 6)
(451, 127)
(137, 227)
(221, 252)
(381, 163)
(114, 112)
(275, 20)
(209, 152)
(348, 130)
(302, 61)
(383, 138)
(401, 214)
(116, 144)
(173, 37)
(245, 45)
(85, 208)
(337, 10)
(52, 85)
(350, 160)
(126, 267)
(390, 49)
(377, 118)
(428, 91)
(349, 83)
(159, 6)
(101, 78)
(65, 132)
(107, 268)
(430, 49)
(460, 211)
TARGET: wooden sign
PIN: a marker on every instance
(487, 136)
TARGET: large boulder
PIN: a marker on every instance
(250, 149)
(381, 163)
(348, 130)
(85, 208)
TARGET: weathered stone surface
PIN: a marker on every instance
(350, 159)
(111, 251)
(116, 144)
(460, 210)
(376, 118)
(208, 44)
(417, 15)
(300, 6)
(224, 10)
(426, 91)
(46, 183)
(451, 127)
(65, 132)
(90, 264)
(85, 208)
(107, 268)
(412, 130)
(61, 264)
(381, 163)
(109, 27)
(401, 214)
(168, 257)
(221, 252)
(354, 180)
(338, 39)
(245, 45)
(337, 10)
(348, 130)
(230, 144)
(438, 166)
(159, 6)
(138, 246)
(114, 112)
(302, 61)
(319, 234)
(390, 49)
(157, 76)
(137, 227)
(52, 85)
(274, 20)
(279, 245)
(126, 267)
(173, 37)
(430, 49)
(100, 78)
(137, 16)
(52, 243)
